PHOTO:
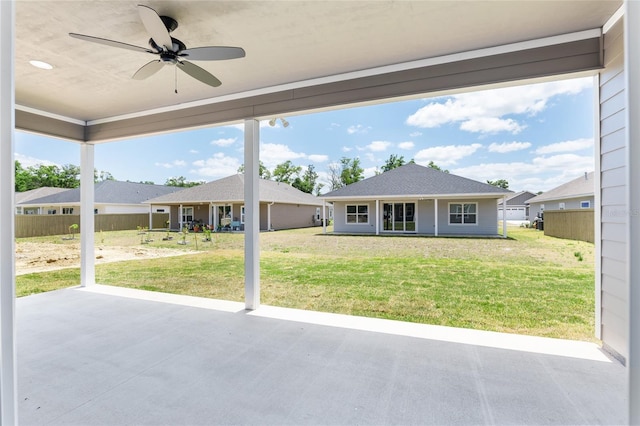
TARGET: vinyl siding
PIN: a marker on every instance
(614, 220)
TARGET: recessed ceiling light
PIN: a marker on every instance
(41, 65)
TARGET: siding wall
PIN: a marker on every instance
(614, 209)
(487, 218)
(570, 203)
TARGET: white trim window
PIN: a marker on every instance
(187, 215)
(67, 210)
(463, 213)
(561, 206)
(585, 204)
(357, 214)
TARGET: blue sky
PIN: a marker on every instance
(536, 137)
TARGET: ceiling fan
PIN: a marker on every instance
(171, 51)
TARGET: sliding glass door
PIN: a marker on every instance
(399, 217)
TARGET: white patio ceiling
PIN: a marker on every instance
(288, 44)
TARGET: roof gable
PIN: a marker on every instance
(415, 180)
(580, 187)
(231, 189)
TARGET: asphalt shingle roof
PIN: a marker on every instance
(231, 189)
(518, 199)
(415, 180)
(109, 192)
(26, 196)
(580, 187)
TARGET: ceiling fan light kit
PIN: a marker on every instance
(170, 50)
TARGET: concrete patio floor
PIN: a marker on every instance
(111, 356)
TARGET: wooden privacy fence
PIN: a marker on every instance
(28, 225)
(570, 224)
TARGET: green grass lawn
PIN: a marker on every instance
(528, 283)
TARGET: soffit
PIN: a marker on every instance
(286, 42)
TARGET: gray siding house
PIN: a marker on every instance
(576, 194)
(517, 208)
(414, 199)
(111, 197)
(220, 204)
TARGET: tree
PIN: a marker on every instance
(263, 172)
(436, 167)
(500, 183)
(39, 176)
(286, 172)
(351, 171)
(101, 176)
(334, 176)
(181, 182)
(307, 183)
(393, 162)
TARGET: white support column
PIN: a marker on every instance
(632, 92)
(435, 211)
(87, 217)
(8, 387)
(150, 217)
(377, 217)
(180, 216)
(504, 216)
(269, 216)
(324, 216)
(252, 214)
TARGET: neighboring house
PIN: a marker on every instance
(26, 196)
(221, 203)
(418, 200)
(576, 194)
(517, 209)
(111, 197)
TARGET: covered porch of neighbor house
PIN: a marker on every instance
(108, 355)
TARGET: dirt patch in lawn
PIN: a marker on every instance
(43, 256)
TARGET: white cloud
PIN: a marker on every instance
(217, 166)
(445, 155)
(358, 128)
(318, 158)
(492, 125)
(273, 154)
(369, 171)
(469, 108)
(566, 146)
(224, 141)
(415, 134)
(346, 149)
(193, 151)
(406, 145)
(175, 163)
(378, 146)
(505, 147)
(26, 161)
(540, 174)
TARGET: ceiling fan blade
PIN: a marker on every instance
(213, 53)
(147, 70)
(111, 43)
(199, 73)
(155, 27)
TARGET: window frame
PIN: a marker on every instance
(462, 204)
(588, 204)
(357, 214)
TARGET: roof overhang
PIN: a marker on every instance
(306, 57)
